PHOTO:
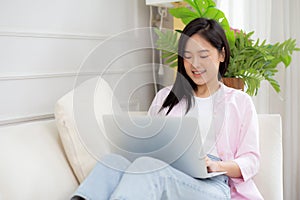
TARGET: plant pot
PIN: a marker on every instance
(236, 83)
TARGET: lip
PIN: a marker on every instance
(199, 72)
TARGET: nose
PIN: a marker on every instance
(195, 62)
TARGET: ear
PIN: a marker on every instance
(222, 55)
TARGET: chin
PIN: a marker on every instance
(200, 82)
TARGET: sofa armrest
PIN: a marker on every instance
(269, 179)
(33, 164)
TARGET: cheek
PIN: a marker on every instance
(186, 64)
(215, 63)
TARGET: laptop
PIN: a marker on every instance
(174, 140)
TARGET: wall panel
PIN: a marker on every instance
(43, 45)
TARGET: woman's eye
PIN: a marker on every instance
(187, 57)
(203, 56)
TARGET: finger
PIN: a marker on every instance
(207, 158)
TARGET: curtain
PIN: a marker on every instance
(285, 24)
(276, 21)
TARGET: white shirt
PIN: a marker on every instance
(205, 115)
(205, 112)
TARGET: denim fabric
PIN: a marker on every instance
(147, 178)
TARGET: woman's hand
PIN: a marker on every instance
(212, 166)
(230, 167)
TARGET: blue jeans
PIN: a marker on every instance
(114, 177)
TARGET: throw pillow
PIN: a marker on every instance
(78, 117)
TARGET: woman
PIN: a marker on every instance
(228, 125)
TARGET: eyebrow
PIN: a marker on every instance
(200, 51)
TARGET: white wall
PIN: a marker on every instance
(43, 44)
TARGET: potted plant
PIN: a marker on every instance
(251, 61)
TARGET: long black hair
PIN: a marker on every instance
(184, 86)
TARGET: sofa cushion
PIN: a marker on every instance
(79, 121)
(33, 163)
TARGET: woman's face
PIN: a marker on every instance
(201, 61)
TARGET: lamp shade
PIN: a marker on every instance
(161, 3)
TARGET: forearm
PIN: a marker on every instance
(231, 167)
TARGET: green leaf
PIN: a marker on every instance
(167, 54)
(183, 12)
(230, 37)
(193, 5)
(158, 32)
(171, 58)
(201, 6)
(167, 42)
(274, 84)
(174, 64)
(286, 60)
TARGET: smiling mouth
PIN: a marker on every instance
(199, 72)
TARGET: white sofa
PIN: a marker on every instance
(34, 164)
(47, 159)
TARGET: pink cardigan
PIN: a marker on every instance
(235, 126)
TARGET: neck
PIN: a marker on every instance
(207, 89)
